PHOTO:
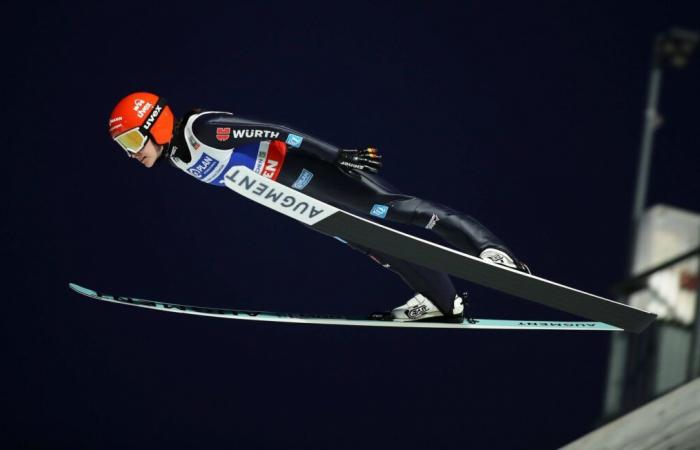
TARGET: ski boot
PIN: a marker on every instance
(501, 258)
(420, 308)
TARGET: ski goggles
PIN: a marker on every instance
(132, 141)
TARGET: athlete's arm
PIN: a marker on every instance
(224, 130)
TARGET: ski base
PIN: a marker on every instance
(329, 319)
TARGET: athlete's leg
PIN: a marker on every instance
(434, 285)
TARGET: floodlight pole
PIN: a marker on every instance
(671, 49)
(651, 123)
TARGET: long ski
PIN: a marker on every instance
(352, 228)
(330, 319)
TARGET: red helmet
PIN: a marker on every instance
(138, 117)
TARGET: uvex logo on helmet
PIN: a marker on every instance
(152, 118)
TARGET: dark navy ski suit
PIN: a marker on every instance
(205, 144)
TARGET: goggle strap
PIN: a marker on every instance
(162, 103)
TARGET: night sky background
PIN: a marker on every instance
(525, 115)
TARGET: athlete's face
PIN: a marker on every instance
(149, 154)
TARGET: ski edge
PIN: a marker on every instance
(330, 319)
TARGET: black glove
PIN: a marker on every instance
(367, 159)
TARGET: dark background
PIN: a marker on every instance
(525, 115)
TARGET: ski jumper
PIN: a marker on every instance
(207, 144)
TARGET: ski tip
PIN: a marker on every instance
(81, 290)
